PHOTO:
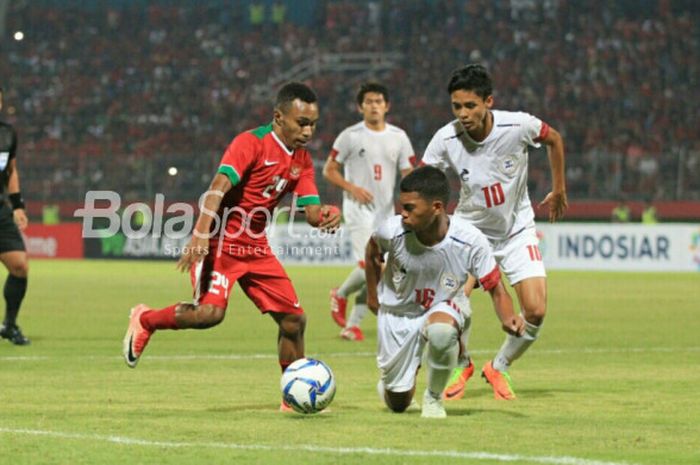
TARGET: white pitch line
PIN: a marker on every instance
(453, 454)
(613, 350)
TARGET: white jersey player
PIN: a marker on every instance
(429, 256)
(488, 149)
(371, 153)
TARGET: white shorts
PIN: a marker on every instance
(401, 340)
(360, 222)
(519, 256)
(359, 236)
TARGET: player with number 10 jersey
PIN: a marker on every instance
(493, 172)
(488, 149)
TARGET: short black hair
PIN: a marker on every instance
(473, 77)
(429, 182)
(292, 91)
(372, 86)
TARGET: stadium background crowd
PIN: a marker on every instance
(108, 95)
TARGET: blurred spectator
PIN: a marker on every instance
(649, 214)
(621, 213)
(109, 94)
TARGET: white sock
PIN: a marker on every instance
(443, 351)
(514, 347)
(358, 313)
(353, 283)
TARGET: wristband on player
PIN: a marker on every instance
(16, 200)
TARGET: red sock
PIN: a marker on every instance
(159, 319)
(284, 365)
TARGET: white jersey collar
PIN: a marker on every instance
(374, 131)
(281, 144)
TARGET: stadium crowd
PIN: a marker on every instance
(108, 95)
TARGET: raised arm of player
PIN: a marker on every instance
(199, 244)
(503, 305)
(20, 216)
(331, 171)
(373, 272)
(556, 199)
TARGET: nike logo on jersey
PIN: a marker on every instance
(270, 163)
(296, 305)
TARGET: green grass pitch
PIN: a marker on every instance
(613, 379)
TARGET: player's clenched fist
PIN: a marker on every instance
(330, 218)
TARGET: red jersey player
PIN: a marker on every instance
(257, 169)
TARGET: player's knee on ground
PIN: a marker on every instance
(199, 316)
(292, 325)
(398, 401)
(442, 337)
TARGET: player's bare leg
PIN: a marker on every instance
(290, 342)
(15, 288)
(398, 401)
(290, 339)
(205, 316)
(144, 321)
(532, 295)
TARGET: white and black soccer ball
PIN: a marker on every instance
(308, 385)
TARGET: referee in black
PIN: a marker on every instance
(13, 219)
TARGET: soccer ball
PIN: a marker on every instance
(308, 385)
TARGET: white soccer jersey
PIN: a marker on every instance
(494, 195)
(416, 277)
(371, 160)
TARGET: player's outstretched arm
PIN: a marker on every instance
(556, 200)
(199, 244)
(373, 271)
(503, 304)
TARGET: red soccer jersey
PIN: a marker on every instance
(262, 170)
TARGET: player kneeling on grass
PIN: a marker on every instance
(417, 300)
(256, 171)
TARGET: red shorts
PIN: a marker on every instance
(262, 278)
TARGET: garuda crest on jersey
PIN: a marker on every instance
(295, 171)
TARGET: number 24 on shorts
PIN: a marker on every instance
(219, 284)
